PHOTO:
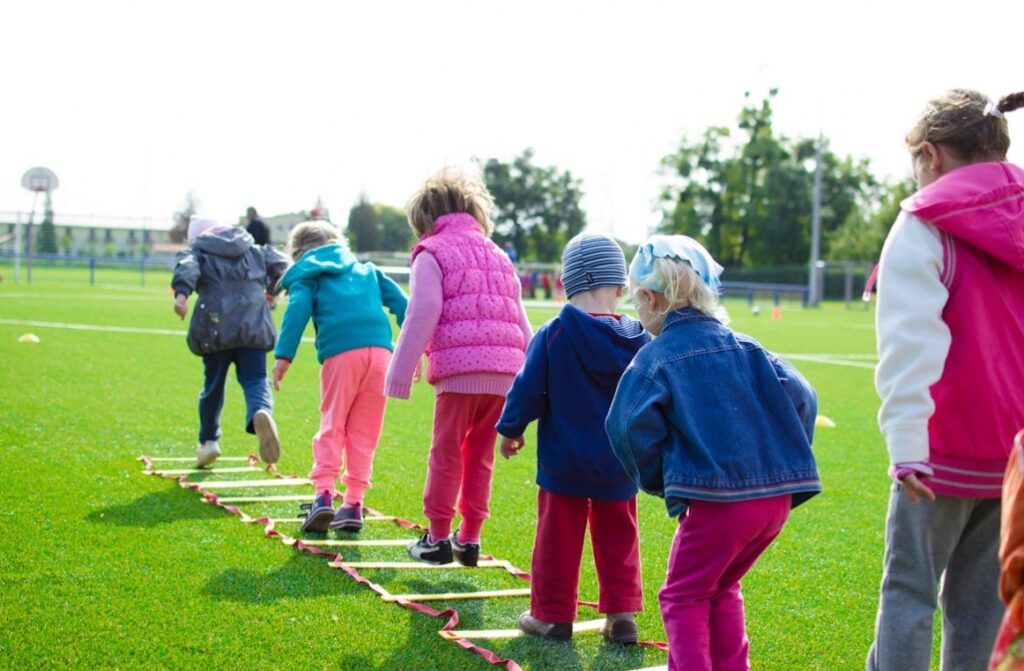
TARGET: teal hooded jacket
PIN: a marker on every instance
(344, 297)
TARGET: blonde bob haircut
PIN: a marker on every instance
(448, 191)
(310, 235)
(682, 287)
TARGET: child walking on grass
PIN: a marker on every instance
(231, 324)
(950, 328)
(465, 312)
(345, 298)
(721, 429)
(572, 367)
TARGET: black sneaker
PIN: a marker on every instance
(467, 554)
(431, 553)
(318, 514)
(348, 518)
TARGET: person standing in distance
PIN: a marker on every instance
(256, 227)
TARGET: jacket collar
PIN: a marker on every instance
(455, 221)
(686, 314)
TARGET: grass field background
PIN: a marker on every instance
(103, 567)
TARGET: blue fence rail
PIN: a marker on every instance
(165, 264)
(776, 291)
(90, 263)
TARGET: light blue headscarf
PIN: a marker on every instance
(681, 247)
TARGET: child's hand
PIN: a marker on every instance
(181, 305)
(417, 374)
(280, 368)
(916, 490)
(271, 300)
(510, 446)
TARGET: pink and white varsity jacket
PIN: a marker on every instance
(950, 328)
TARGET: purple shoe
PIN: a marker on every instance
(318, 514)
(348, 518)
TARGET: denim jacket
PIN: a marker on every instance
(706, 413)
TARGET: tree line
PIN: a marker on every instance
(744, 190)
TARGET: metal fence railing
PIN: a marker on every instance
(20, 268)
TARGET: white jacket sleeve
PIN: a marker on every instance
(913, 339)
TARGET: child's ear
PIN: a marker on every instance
(619, 291)
(932, 157)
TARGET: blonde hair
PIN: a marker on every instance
(447, 191)
(961, 121)
(682, 288)
(310, 235)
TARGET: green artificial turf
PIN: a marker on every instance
(104, 567)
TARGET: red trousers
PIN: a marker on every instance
(558, 550)
(461, 462)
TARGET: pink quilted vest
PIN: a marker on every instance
(979, 400)
(478, 331)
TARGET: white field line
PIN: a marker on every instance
(91, 297)
(829, 359)
(102, 328)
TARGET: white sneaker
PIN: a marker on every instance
(265, 428)
(207, 453)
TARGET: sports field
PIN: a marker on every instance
(104, 567)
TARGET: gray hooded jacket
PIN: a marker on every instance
(231, 274)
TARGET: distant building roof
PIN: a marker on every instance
(93, 220)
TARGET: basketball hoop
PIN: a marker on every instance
(40, 179)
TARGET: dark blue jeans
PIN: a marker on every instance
(251, 372)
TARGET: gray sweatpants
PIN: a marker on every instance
(953, 540)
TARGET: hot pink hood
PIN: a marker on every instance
(979, 399)
(981, 204)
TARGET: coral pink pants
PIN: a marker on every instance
(461, 462)
(351, 415)
(715, 546)
(555, 568)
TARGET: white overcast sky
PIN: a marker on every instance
(273, 103)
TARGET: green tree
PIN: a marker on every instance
(538, 207)
(46, 242)
(363, 228)
(861, 235)
(179, 232)
(748, 197)
(395, 234)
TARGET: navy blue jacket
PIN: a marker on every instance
(706, 413)
(572, 366)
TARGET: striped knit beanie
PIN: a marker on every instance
(590, 261)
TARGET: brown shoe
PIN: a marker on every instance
(561, 632)
(620, 628)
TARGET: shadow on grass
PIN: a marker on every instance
(301, 577)
(544, 655)
(150, 510)
(413, 652)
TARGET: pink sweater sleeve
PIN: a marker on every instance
(524, 325)
(421, 317)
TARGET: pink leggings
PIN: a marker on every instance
(351, 415)
(461, 462)
(715, 546)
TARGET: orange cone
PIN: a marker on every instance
(776, 313)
